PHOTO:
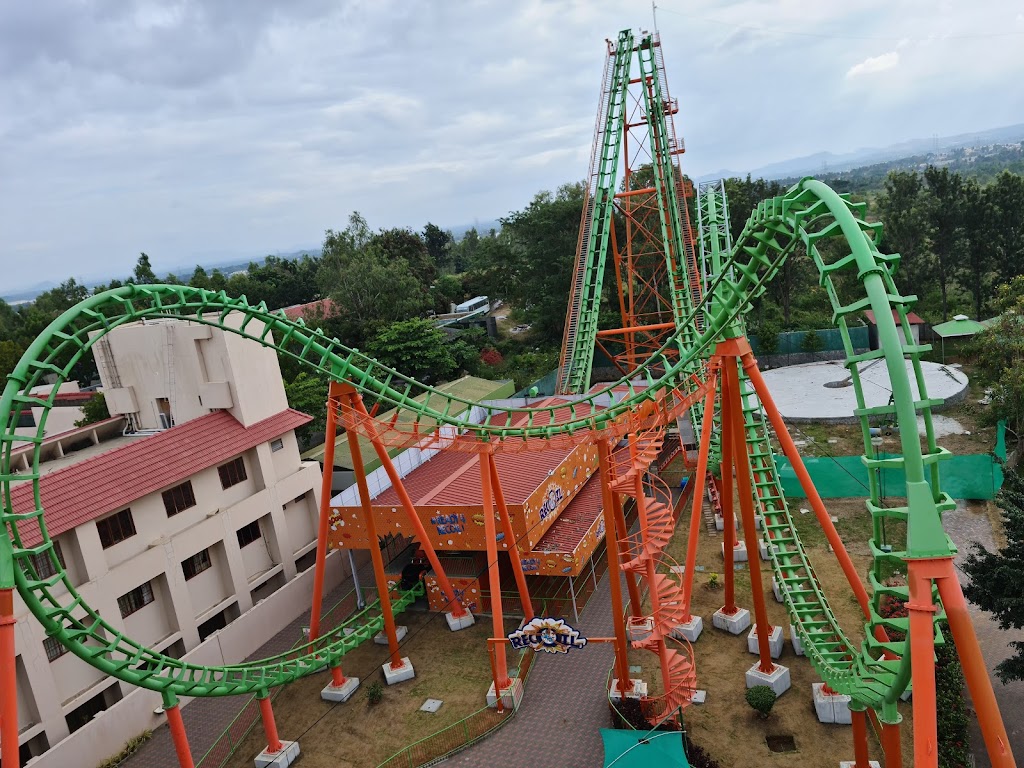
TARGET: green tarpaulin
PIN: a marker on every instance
(636, 749)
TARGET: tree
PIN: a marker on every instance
(438, 242)
(812, 343)
(996, 577)
(10, 354)
(307, 393)
(415, 347)
(946, 214)
(975, 270)
(405, 245)
(902, 208)
(999, 352)
(1006, 194)
(95, 409)
(143, 274)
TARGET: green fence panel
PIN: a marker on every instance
(974, 476)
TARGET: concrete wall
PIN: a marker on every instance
(195, 368)
(55, 689)
(231, 645)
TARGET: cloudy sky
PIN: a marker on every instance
(206, 129)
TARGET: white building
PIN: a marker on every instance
(175, 528)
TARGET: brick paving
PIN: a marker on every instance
(965, 527)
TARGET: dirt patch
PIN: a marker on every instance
(451, 666)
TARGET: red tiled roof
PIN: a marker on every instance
(104, 483)
(566, 533)
(912, 317)
(327, 307)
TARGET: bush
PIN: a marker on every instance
(761, 698)
(629, 714)
(812, 342)
(374, 693)
(698, 758)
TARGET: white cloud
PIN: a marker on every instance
(874, 65)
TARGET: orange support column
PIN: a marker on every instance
(891, 746)
(8, 680)
(325, 514)
(371, 534)
(614, 572)
(274, 744)
(458, 610)
(178, 736)
(619, 532)
(860, 738)
(699, 478)
(922, 663)
(725, 491)
(510, 538)
(993, 730)
(501, 680)
(732, 428)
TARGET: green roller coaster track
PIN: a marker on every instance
(810, 213)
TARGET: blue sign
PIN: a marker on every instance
(547, 635)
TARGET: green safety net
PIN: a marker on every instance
(974, 476)
(637, 749)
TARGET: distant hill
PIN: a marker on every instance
(821, 163)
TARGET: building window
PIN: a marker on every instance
(179, 498)
(116, 528)
(276, 445)
(249, 534)
(196, 564)
(232, 473)
(54, 649)
(135, 600)
(43, 563)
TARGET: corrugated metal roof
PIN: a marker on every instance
(112, 480)
(912, 317)
(567, 532)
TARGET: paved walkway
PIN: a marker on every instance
(564, 705)
(966, 527)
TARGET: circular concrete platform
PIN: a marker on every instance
(824, 391)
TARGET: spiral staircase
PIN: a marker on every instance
(643, 554)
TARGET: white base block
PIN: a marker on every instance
(798, 647)
(758, 520)
(739, 552)
(381, 638)
(762, 549)
(638, 691)
(342, 693)
(734, 623)
(776, 590)
(719, 523)
(690, 630)
(778, 679)
(404, 672)
(510, 697)
(853, 764)
(775, 641)
(699, 697)
(459, 622)
(287, 755)
(830, 708)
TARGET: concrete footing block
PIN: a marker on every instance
(762, 549)
(284, 757)
(776, 590)
(853, 764)
(690, 630)
(637, 691)
(381, 638)
(798, 646)
(699, 697)
(510, 696)
(775, 641)
(778, 679)
(398, 674)
(733, 623)
(739, 552)
(830, 707)
(342, 693)
(455, 623)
